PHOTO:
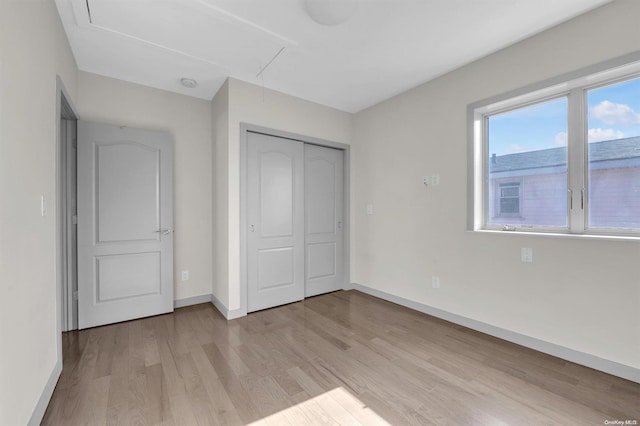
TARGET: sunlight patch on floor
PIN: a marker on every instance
(335, 406)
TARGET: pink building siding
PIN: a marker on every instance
(614, 198)
(530, 188)
(543, 200)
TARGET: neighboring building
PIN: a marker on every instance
(530, 188)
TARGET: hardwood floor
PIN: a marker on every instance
(340, 358)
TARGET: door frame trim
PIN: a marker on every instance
(65, 110)
(245, 129)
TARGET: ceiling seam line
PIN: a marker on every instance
(89, 12)
(270, 62)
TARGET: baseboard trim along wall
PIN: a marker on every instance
(195, 300)
(228, 314)
(235, 313)
(45, 397)
(210, 298)
(582, 358)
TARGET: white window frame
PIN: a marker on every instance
(574, 87)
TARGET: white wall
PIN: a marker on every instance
(581, 294)
(188, 120)
(220, 122)
(251, 104)
(33, 49)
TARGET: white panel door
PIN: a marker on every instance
(125, 223)
(324, 219)
(275, 203)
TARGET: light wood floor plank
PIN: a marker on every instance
(344, 358)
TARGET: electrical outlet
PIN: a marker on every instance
(526, 255)
(425, 180)
(435, 282)
(184, 276)
(435, 180)
(369, 209)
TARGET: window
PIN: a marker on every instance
(528, 145)
(510, 198)
(614, 156)
(564, 157)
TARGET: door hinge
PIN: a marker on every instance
(74, 220)
(75, 295)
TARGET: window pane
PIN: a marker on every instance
(527, 182)
(614, 156)
(510, 197)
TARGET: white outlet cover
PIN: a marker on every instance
(435, 282)
(526, 254)
(185, 275)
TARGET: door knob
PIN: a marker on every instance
(164, 231)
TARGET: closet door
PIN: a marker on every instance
(275, 221)
(324, 219)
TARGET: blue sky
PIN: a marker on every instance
(614, 112)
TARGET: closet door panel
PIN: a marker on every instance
(324, 211)
(275, 200)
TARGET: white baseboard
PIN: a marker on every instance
(228, 314)
(582, 358)
(235, 313)
(219, 306)
(195, 300)
(210, 298)
(45, 397)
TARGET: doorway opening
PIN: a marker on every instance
(66, 211)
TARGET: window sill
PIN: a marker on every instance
(593, 237)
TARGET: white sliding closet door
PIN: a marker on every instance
(275, 213)
(324, 207)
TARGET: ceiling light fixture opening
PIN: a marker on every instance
(330, 12)
(188, 82)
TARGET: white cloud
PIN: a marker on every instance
(612, 113)
(514, 148)
(561, 139)
(597, 135)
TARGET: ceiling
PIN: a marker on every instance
(387, 47)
